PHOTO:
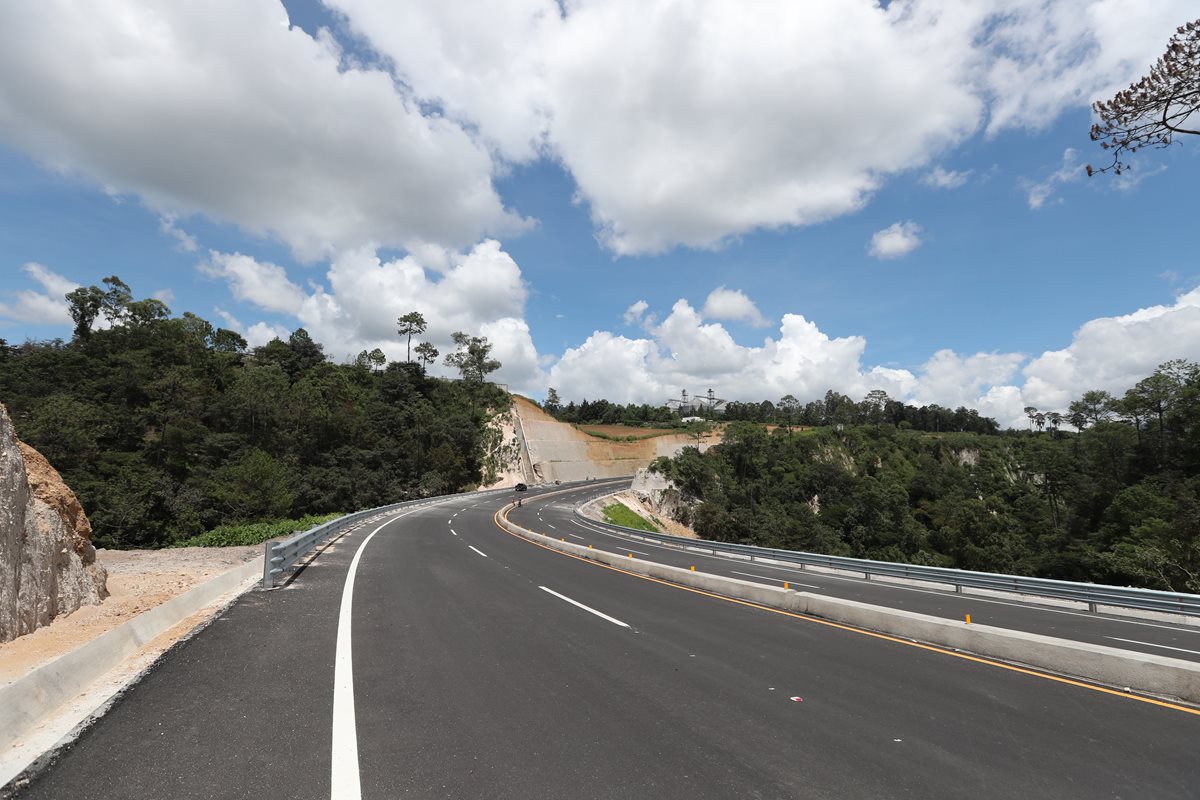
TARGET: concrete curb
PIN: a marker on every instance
(24, 703)
(1079, 605)
(1124, 669)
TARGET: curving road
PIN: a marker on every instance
(481, 665)
(556, 517)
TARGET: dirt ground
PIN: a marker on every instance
(138, 580)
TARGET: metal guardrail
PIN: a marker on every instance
(1094, 594)
(280, 556)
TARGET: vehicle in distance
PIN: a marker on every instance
(520, 487)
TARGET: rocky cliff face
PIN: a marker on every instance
(661, 496)
(47, 563)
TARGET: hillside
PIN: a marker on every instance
(559, 451)
(1117, 502)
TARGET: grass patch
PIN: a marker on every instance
(630, 438)
(621, 514)
(253, 532)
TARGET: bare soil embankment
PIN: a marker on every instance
(138, 580)
(558, 451)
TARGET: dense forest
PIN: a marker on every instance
(833, 409)
(166, 426)
(1117, 500)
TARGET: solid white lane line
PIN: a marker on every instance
(477, 550)
(772, 578)
(1152, 644)
(345, 783)
(588, 609)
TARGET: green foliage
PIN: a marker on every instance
(166, 427)
(620, 514)
(1116, 502)
(254, 533)
(633, 437)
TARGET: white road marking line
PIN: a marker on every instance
(454, 531)
(449, 522)
(477, 550)
(577, 537)
(1152, 644)
(345, 782)
(770, 578)
(631, 550)
(589, 609)
(552, 526)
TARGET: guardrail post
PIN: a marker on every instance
(268, 550)
(958, 588)
(1092, 607)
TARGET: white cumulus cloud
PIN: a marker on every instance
(895, 240)
(684, 352)
(633, 314)
(264, 284)
(733, 305)
(717, 118)
(46, 306)
(939, 178)
(223, 109)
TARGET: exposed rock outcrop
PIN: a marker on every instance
(660, 497)
(47, 563)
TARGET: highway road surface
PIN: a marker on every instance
(555, 517)
(433, 655)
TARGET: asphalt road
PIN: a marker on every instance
(554, 516)
(487, 666)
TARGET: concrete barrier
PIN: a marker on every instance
(24, 703)
(1124, 669)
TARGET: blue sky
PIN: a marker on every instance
(272, 180)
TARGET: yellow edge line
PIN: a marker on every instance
(862, 631)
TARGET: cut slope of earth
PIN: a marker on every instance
(558, 451)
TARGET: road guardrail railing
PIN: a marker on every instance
(278, 557)
(1094, 594)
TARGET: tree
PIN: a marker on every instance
(1093, 407)
(1156, 108)
(699, 430)
(115, 299)
(472, 359)
(410, 325)
(788, 405)
(85, 303)
(874, 404)
(426, 354)
(377, 359)
(553, 403)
